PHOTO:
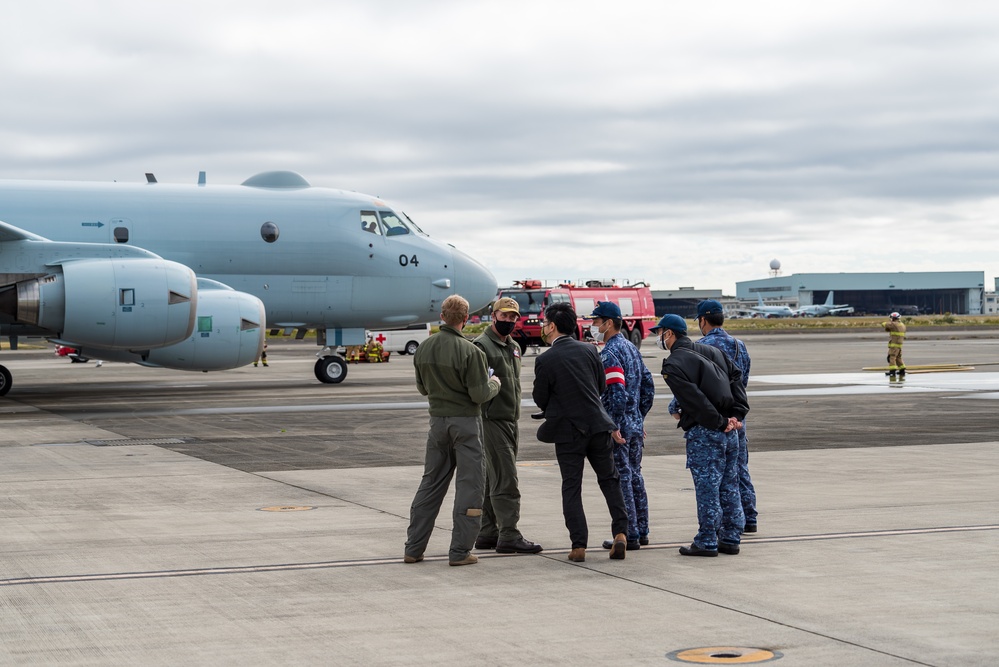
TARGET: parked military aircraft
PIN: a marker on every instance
(190, 276)
(771, 311)
(827, 308)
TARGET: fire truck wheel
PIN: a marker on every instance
(636, 336)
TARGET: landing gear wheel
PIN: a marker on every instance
(636, 336)
(411, 347)
(5, 380)
(331, 370)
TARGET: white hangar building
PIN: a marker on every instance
(957, 292)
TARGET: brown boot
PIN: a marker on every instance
(619, 546)
(577, 555)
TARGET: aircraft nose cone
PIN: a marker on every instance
(473, 281)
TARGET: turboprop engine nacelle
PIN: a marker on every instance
(229, 334)
(113, 303)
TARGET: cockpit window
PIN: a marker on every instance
(394, 226)
(369, 222)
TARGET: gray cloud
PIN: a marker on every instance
(692, 143)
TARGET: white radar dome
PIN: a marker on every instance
(774, 264)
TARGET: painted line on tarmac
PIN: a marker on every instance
(873, 533)
(260, 409)
(753, 539)
(195, 572)
(256, 409)
(325, 565)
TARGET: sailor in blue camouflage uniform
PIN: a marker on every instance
(627, 398)
(710, 403)
(710, 318)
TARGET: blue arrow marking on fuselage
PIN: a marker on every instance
(92, 224)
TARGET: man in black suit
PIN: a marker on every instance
(568, 381)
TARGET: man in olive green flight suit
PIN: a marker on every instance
(452, 374)
(500, 437)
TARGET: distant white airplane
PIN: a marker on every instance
(827, 308)
(190, 276)
(771, 311)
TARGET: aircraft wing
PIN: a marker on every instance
(12, 233)
(117, 302)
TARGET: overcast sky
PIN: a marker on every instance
(683, 143)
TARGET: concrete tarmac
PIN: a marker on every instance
(258, 517)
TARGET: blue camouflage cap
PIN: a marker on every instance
(671, 321)
(607, 310)
(709, 306)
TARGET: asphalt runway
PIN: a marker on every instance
(258, 517)
(807, 391)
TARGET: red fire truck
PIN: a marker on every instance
(635, 302)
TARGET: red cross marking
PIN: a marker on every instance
(381, 338)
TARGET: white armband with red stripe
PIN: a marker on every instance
(615, 375)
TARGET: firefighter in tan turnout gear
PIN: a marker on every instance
(896, 336)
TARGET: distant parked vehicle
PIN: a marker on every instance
(402, 341)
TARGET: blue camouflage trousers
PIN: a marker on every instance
(712, 457)
(746, 489)
(628, 459)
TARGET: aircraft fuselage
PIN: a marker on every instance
(316, 257)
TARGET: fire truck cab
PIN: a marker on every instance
(635, 301)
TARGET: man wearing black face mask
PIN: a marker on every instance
(500, 436)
